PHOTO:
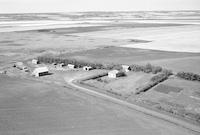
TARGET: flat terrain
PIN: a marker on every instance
(177, 61)
(174, 38)
(30, 107)
(181, 95)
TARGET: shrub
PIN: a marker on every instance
(79, 64)
(167, 72)
(154, 81)
(159, 78)
(156, 69)
(148, 68)
(188, 76)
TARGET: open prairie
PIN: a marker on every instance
(31, 107)
(176, 61)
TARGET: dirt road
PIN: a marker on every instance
(173, 120)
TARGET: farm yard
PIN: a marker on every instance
(124, 86)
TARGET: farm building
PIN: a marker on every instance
(126, 68)
(54, 65)
(40, 71)
(21, 66)
(87, 68)
(61, 65)
(71, 66)
(34, 61)
(18, 64)
(115, 74)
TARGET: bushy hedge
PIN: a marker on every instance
(188, 76)
(148, 68)
(154, 81)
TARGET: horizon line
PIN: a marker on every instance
(186, 10)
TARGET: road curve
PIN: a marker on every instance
(178, 122)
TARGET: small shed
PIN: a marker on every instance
(87, 68)
(126, 68)
(40, 71)
(21, 66)
(18, 64)
(61, 65)
(34, 61)
(115, 74)
(71, 66)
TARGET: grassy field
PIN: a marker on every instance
(31, 107)
(124, 86)
(177, 61)
(178, 94)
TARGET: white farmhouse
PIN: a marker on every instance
(113, 74)
(71, 66)
(34, 61)
(40, 71)
(126, 68)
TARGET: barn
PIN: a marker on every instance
(115, 74)
(40, 71)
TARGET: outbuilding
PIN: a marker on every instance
(115, 74)
(34, 61)
(61, 64)
(126, 68)
(18, 64)
(87, 68)
(40, 71)
(71, 66)
(21, 66)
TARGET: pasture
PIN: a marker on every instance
(176, 94)
(176, 61)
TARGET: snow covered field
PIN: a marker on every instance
(174, 38)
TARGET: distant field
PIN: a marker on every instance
(176, 61)
(175, 38)
(187, 64)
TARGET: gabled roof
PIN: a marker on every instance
(114, 72)
(40, 70)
